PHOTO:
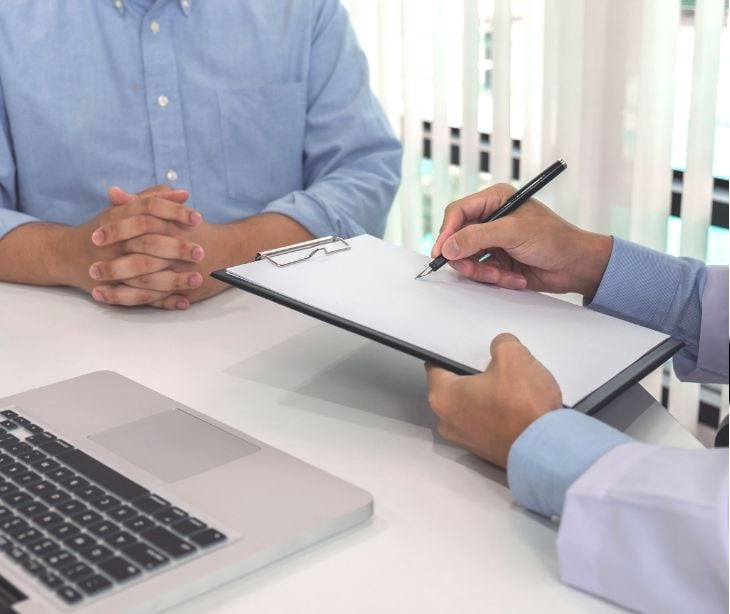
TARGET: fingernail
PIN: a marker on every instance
(182, 304)
(451, 249)
(198, 253)
(97, 238)
(194, 280)
(97, 295)
(195, 217)
(95, 272)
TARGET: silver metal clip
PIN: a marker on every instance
(325, 245)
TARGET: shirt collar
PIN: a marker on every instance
(120, 6)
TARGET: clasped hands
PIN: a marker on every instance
(148, 249)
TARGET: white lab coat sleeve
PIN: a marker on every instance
(646, 527)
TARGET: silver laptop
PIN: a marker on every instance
(115, 498)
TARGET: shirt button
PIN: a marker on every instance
(119, 4)
(171, 175)
(185, 4)
(154, 26)
(163, 101)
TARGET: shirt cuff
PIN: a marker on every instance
(10, 220)
(552, 453)
(641, 285)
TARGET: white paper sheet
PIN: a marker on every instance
(373, 285)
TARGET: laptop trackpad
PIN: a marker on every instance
(173, 445)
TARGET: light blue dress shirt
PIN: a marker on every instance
(252, 105)
(640, 285)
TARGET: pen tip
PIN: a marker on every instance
(425, 272)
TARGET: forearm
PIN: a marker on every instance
(242, 240)
(42, 254)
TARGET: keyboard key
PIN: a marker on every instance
(14, 499)
(69, 594)
(7, 487)
(55, 447)
(64, 531)
(33, 567)
(55, 496)
(51, 580)
(14, 525)
(5, 512)
(87, 518)
(40, 439)
(32, 508)
(9, 413)
(74, 483)
(8, 425)
(33, 428)
(29, 536)
(119, 569)
(151, 504)
(59, 474)
(101, 474)
(72, 507)
(5, 459)
(61, 559)
(18, 449)
(87, 493)
(96, 554)
(76, 571)
(145, 556)
(188, 526)
(105, 503)
(94, 584)
(168, 542)
(8, 440)
(104, 528)
(45, 464)
(48, 519)
(80, 542)
(32, 456)
(122, 513)
(140, 523)
(13, 469)
(21, 421)
(40, 487)
(17, 554)
(121, 540)
(170, 515)
(44, 547)
(26, 478)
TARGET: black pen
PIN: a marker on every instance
(514, 201)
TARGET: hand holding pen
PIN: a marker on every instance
(533, 248)
(510, 205)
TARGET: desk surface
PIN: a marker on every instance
(445, 536)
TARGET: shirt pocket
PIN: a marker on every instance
(262, 130)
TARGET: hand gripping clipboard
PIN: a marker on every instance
(366, 286)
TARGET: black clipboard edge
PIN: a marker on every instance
(603, 395)
(589, 404)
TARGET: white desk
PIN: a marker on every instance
(445, 536)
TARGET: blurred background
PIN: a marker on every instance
(633, 94)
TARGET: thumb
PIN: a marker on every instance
(117, 196)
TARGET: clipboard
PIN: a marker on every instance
(366, 286)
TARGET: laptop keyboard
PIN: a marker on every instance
(78, 526)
